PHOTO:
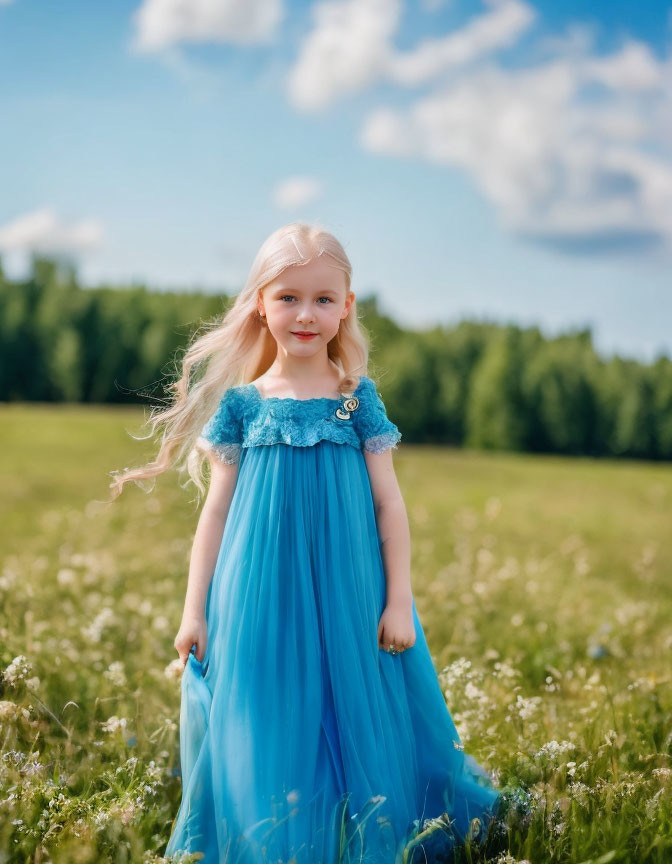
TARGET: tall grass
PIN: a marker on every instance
(543, 585)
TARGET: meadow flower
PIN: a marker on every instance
(65, 577)
(526, 708)
(579, 792)
(554, 749)
(161, 623)
(18, 670)
(663, 773)
(10, 710)
(550, 686)
(475, 694)
(505, 858)
(653, 804)
(456, 671)
(113, 723)
(174, 669)
(493, 507)
(7, 579)
(94, 630)
(115, 673)
(503, 669)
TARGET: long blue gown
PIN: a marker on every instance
(300, 739)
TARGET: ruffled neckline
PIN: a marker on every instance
(255, 392)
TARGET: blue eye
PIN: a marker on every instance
(284, 296)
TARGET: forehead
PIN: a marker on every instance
(319, 274)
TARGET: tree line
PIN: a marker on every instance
(475, 384)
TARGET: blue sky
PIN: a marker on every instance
(501, 160)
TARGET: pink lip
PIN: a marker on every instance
(306, 335)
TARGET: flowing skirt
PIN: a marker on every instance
(300, 739)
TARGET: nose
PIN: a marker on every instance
(306, 313)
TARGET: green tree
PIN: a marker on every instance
(496, 409)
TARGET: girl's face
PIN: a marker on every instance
(308, 298)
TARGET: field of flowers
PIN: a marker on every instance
(543, 585)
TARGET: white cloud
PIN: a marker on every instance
(574, 148)
(295, 192)
(350, 48)
(570, 170)
(484, 34)
(42, 231)
(347, 50)
(632, 68)
(162, 23)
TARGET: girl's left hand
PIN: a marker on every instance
(396, 627)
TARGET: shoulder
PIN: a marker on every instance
(367, 391)
(366, 388)
(227, 413)
(234, 399)
(376, 431)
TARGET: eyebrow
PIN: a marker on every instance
(281, 291)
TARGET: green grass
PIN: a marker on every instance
(543, 585)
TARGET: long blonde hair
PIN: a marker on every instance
(236, 349)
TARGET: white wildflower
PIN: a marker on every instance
(114, 723)
(506, 858)
(161, 623)
(174, 669)
(653, 804)
(103, 619)
(504, 669)
(18, 670)
(579, 792)
(527, 708)
(8, 710)
(116, 674)
(65, 576)
(493, 507)
(554, 748)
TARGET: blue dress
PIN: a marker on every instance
(300, 739)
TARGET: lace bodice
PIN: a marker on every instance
(244, 418)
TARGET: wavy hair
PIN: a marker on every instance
(237, 348)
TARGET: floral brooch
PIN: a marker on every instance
(350, 404)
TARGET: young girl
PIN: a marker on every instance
(313, 728)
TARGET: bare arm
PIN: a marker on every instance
(393, 527)
(204, 552)
(396, 625)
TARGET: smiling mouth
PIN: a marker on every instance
(303, 333)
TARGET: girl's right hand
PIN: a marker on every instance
(193, 631)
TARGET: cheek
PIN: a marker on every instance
(330, 310)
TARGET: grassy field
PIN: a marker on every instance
(543, 585)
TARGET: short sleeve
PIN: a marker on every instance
(376, 431)
(222, 432)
